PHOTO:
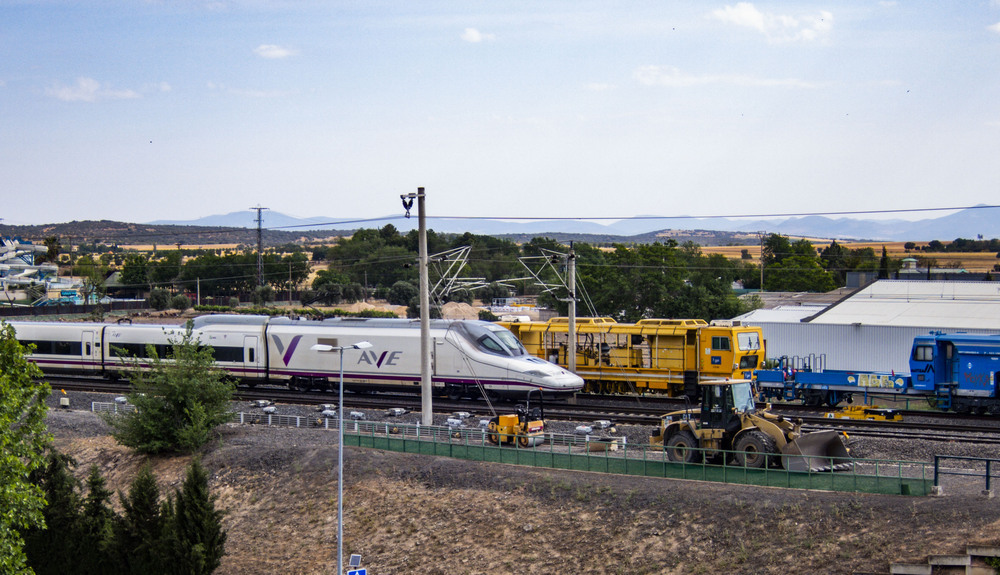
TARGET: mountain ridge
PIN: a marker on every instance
(968, 223)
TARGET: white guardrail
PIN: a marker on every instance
(476, 433)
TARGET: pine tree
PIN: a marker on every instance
(52, 547)
(197, 538)
(138, 531)
(883, 265)
(94, 543)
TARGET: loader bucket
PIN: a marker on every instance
(817, 451)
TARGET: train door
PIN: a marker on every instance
(252, 360)
(951, 362)
(88, 350)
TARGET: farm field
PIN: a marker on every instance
(971, 261)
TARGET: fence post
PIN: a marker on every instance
(988, 492)
(936, 489)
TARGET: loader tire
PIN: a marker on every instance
(754, 449)
(683, 447)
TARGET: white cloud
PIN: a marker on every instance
(274, 52)
(89, 90)
(994, 28)
(475, 36)
(673, 77)
(777, 27)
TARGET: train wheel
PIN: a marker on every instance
(754, 449)
(683, 447)
(812, 398)
(454, 392)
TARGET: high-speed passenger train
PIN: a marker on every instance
(468, 358)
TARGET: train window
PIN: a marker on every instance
(510, 341)
(45, 347)
(491, 345)
(491, 338)
(250, 353)
(748, 341)
(923, 353)
(234, 354)
(748, 362)
(140, 350)
(720, 343)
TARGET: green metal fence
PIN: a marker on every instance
(579, 454)
(600, 455)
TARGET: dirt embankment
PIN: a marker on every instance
(414, 514)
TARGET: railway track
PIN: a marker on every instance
(927, 426)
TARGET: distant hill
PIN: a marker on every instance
(965, 223)
(240, 228)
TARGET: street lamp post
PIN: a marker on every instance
(340, 447)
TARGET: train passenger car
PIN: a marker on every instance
(108, 349)
(668, 356)
(236, 344)
(63, 348)
(467, 358)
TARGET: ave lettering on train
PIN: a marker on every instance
(387, 357)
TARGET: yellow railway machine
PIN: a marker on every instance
(667, 356)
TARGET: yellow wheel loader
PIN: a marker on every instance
(729, 421)
(526, 426)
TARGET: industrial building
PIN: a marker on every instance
(873, 328)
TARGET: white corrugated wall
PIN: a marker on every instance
(848, 347)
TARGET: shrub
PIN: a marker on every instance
(159, 299)
(402, 292)
(177, 403)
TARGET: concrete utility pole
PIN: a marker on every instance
(260, 244)
(571, 284)
(426, 405)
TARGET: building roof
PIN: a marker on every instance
(944, 304)
(783, 313)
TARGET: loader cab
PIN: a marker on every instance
(723, 403)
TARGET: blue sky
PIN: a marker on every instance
(178, 109)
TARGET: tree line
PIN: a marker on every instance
(624, 281)
(82, 534)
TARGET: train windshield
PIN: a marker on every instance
(748, 341)
(493, 338)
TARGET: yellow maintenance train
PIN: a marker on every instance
(667, 356)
